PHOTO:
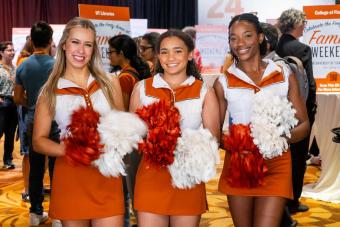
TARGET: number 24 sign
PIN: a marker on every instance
(221, 7)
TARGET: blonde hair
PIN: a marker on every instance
(289, 19)
(95, 67)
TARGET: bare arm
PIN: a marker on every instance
(135, 99)
(19, 95)
(210, 113)
(302, 129)
(221, 101)
(42, 126)
(118, 96)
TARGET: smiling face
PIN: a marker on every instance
(174, 56)
(244, 40)
(79, 47)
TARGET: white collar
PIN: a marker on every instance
(65, 83)
(271, 67)
(159, 82)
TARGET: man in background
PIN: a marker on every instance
(31, 76)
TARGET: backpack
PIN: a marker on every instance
(296, 66)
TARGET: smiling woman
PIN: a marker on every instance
(80, 193)
(260, 202)
(158, 200)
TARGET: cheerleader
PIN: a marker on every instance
(158, 200)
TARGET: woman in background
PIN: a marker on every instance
(131, 69)
(8, 109)
(147, 49)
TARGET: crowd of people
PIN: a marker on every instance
(43, 92)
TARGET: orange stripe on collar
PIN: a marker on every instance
(86, 93)
(181, 93)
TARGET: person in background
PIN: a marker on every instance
(292, 23)
(26, 51)
(147, 49)
(261, 205)
(158, 202)
(31, 76)
(131, 69)
(80, 195)
(197, 55)
(8, 109)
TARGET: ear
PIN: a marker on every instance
(64, 47)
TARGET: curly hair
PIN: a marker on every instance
(289, 19)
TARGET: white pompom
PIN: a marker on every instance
(120, 133)
(196, 156)
(272, 118)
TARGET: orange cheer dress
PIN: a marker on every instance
(154, 192)
(81, 192)
(239, 91)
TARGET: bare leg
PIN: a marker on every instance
(114, 221)
(76, 223)
(241, 209)
(25, 172)
(152, 220)
(268, 211)
(188, 221)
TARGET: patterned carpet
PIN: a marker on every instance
(14, 212)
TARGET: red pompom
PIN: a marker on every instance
(247, 166)
(82, 144)
(163, 130)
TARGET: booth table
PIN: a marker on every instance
(327, 188)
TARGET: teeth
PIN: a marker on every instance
(172, 65)
(79, 58)
(243, 50)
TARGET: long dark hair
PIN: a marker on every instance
(126, 45)
(250, 18)
(191, 67)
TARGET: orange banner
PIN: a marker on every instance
(322, 12)
(329, 84)
(99, 12)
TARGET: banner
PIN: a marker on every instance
(109, 21)
(19, 37)
(322, 34)
(221, 11)
(212, 42)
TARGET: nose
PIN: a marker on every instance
(171, 55)
(81, 48)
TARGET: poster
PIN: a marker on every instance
(322, 34)
(212, 42)
(109, 21)
(19, 37)
(221, 11)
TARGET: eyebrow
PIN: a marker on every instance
(176, 48)
(86, 42)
